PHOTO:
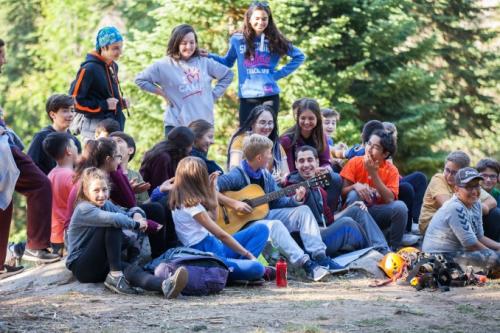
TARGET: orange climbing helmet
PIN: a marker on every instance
(392, 264)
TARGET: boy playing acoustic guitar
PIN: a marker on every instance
(284, 211)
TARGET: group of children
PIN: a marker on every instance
(85, 202)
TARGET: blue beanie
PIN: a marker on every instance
(107, 36)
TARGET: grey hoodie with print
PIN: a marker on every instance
(188, 87)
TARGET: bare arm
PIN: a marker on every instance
(441, 199)
(204, 219)
(476, 247)
(488, 204)
(238, 206)
(490, 243)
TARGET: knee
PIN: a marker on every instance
(399, 209)
(352, 196)
(336, 181)
(262, 230)
(406, 191)
(420, 178)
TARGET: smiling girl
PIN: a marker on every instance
(183, 79)
(95, 242)
(262, 120)
(258, 48)
(308, 130)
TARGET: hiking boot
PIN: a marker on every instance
(173, 286)
(119, 285)
(269, 273)
(10, 270)
(314, 272)
(329, 264)
(40, 256)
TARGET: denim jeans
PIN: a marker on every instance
(411, 191)
(374, 235)
(343, 235)
(253, 239)
(301, 219)
(282, 240)
(392, 215)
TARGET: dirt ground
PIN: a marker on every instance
(46, 299)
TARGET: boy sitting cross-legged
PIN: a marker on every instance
(284, 212)
(61, 148)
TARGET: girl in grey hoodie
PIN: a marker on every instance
(184, 80)
(95, 241)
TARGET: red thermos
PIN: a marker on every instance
(281, 275)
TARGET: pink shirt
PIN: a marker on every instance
(62, 183)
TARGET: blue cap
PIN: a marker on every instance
(107, 36)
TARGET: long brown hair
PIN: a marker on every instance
(309, 104)
(175, 40)
(277, 42)
(88, 175)
(94, 154)
(191, 185)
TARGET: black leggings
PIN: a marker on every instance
(102, 254)
(158, 241)
(247, 104)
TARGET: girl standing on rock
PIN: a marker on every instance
(258, 49)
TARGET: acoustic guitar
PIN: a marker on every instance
(232, 221)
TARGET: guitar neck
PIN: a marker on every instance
(278, 194)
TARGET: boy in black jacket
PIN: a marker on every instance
(97, 88)
(61, 112)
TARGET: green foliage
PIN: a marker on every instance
(428, 66)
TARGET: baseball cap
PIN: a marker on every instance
(466, 175)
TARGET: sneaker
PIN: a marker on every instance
(330, 264)
(10, 270)
(314, 272)
(119, 285)
(40, 256)
(173, 286)
(410, 239)
(269, 273)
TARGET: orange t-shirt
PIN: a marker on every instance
(356, 172)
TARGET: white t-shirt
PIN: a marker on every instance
(189, 231)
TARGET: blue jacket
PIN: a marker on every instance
(257, 77)
(236, 179)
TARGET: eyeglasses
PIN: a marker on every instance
(489, 176)
(450, 172)
(263, 123)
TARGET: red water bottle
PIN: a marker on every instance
(281, 275)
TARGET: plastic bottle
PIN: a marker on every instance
(281, 273)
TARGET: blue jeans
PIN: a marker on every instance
(343, 235)
(392, 216)
(411, 191)
(374, 236)
(253, 238)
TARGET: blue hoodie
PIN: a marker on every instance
(257, 77)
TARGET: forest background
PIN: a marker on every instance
(431, 67)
